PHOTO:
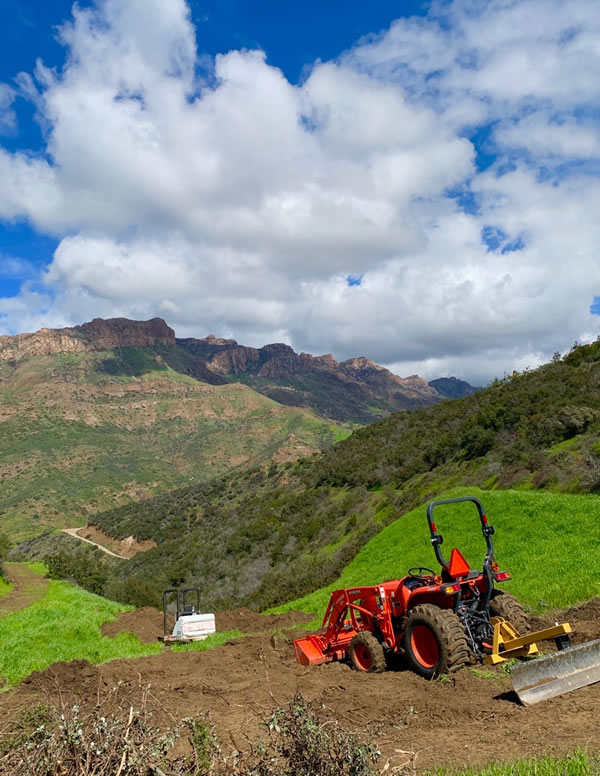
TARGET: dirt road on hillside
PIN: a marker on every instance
(73, 532)
(471, 719)
(27, 588)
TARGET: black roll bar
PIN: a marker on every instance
(486, 529)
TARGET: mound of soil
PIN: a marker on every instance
(584, 619)
(77, 673)
(247, 621)
(146, 623)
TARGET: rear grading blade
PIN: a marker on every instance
(546, 677)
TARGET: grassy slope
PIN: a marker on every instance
(548, 541)
(63, 625)
(5, 587)
(577, 764)
(77, 439)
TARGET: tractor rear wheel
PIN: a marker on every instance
(366, 653)
(506, 605)
(435, 641)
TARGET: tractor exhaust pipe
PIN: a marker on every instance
(546, 677)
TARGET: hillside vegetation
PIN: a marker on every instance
(547, 541)
(263, 537)
(83, 432)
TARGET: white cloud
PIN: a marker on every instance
(240, 205)
(8, 118)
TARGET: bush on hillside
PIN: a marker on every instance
(77, 569)
(134, 591)
(5, 546)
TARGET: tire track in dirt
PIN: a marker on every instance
(28, 587)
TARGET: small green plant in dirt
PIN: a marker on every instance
(484, 673)
(303, 744)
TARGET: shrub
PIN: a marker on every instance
(5, 546)
(78, 569)
(303, 745)
(136, 591)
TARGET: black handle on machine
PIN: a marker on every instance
(182, 595)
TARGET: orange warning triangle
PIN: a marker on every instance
(458, 566)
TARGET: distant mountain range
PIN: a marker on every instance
(113, 411)
(357, 390)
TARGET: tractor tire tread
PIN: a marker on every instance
(368, 640)
(455, 647)
(507, 606)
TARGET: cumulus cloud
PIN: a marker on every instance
(239, 203)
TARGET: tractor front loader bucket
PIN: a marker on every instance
(309, 651)
(546, 677)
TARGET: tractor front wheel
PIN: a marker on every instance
(366, 653)
(435, 641)
(506, 606)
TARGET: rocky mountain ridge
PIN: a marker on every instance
(290, 377)
(98, 334)
(356, 390)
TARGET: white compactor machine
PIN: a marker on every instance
(190, 623)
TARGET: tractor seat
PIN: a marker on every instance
(411, 583)
(188, 609)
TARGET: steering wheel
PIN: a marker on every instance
(416, 572)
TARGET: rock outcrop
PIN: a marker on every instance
(98, 334)
(357, 389)
(274, 361)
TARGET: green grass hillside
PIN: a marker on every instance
(548, 541)
(84, 432)
(63, 625)
(576, 764)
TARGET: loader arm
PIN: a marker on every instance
(341, 602)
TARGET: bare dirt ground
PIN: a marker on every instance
(471, 719)
(123, 548)
(147, 624)
(27, 588)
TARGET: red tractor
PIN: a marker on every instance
(441, 622)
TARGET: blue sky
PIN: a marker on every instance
(419, 186)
